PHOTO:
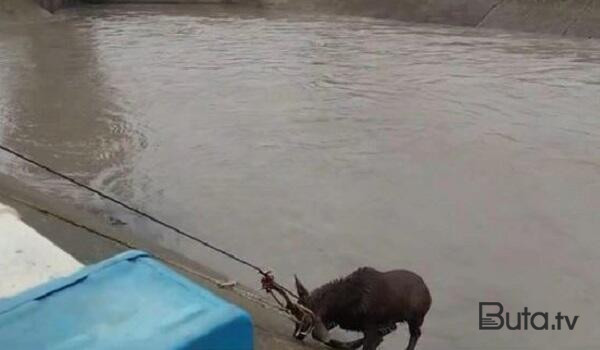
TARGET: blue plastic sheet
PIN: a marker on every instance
(130, 301)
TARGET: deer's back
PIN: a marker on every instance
(395, 296)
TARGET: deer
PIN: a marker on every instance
(367, 301)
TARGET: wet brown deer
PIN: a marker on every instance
(367, 301)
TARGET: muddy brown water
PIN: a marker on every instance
(318, 144)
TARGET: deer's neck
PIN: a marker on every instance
(334, 298)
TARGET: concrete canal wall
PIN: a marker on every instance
(561, 17)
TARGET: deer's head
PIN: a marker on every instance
(312, 324)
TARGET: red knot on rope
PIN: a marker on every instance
(300, 312)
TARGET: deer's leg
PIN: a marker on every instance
(415, 332)
(372, 339)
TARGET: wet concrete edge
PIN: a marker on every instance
(66, 228)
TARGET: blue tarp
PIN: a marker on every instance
(130, 301)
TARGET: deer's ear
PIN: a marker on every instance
(302, 292)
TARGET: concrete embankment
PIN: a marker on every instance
(90, 238)
(27, 258)
(562, 17)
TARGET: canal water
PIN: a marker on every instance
(317, 144)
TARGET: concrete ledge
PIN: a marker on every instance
(27, 258)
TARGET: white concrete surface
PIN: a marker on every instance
(26, 257)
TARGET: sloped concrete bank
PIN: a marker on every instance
(89, 238)
(562, 17)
